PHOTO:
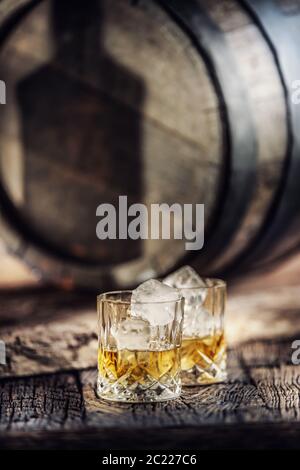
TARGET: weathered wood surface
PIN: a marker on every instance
(259, 407)
(47, 393)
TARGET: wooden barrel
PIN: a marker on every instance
(162, 101)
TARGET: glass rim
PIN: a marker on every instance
(101, 298)
(216, 284)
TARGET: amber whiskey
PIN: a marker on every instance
(139, 373)
(203, 360)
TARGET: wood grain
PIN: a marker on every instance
(61, 410)
(47, 392)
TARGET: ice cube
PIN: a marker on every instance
(155, 302)
(185, 279)
(198, 322)
(133, 334)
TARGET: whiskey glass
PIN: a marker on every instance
(137, 361)
(203, 350)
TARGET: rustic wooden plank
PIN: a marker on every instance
(41, 403)
(56, 330)
(61, 410)
(258, 406)
(262, 387)
(254, 436)
(239, 400)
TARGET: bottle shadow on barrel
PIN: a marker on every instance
(82, 138)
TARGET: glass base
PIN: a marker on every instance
(198, 376)
(149, 392)
(138, 376)
(203, 360)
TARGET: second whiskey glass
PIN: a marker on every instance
(203, 351)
